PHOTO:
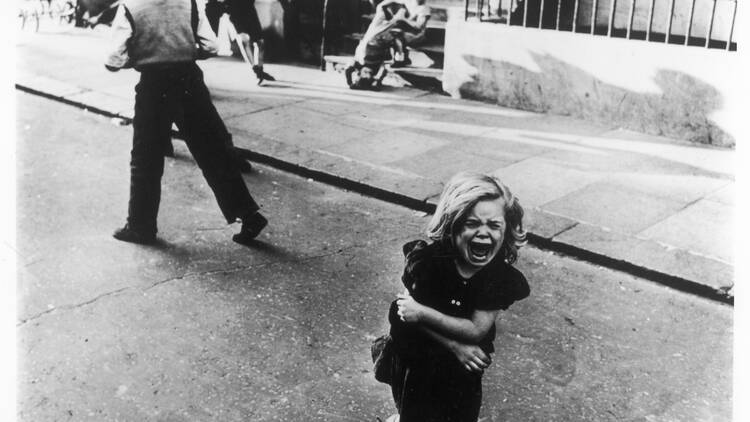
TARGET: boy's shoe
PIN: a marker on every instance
(127, 234)
(243, 165)
(251, 228)
(261, 75)
(169, 150)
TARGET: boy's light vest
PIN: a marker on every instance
(162, 31)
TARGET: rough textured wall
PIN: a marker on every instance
(681, 92)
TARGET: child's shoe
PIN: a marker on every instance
(261, 75)
(169, 149)
(243, 165)
(251, 228)
(128, 234)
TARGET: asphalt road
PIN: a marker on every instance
(198, 328)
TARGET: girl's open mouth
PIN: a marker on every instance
(480, 250)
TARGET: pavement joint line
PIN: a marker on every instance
(566, 229)
(543, 243)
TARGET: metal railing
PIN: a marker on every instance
(704, 23)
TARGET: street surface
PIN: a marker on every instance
(663, 207)
(199, 328)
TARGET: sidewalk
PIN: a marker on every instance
(655, 207)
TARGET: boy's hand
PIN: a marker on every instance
(471, 357)
(408, 309)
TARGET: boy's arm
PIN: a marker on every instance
(416, 23)
(469, 330)
(121, 31)
(204, 35)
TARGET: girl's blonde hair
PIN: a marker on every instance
(460, 195)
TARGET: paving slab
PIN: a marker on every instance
(310, 130)
(302, 160)
(443, 162)
(726, 195)
(387, 114)
(387, 146)
(232, 103)
(49, 86)
(545, 224)
(626, 134)
(537, 181)
(624, 209)
(332, 107)
(700, 270)
(713, 240)
(105, 102)
(684, 188)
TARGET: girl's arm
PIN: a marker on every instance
(462, 329)
(471, 356)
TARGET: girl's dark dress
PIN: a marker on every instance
(428, 382)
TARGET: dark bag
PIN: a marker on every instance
(382, 356)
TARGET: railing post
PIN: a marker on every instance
(541, 13)
(650, 19)
(710, 24)
(593, 17)
(630, 18)
(575, 15)
(525, 10)
(668, 32)
(611, 17)
(731, 27)
(690, 22)
(557, 20)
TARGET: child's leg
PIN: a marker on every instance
(246, 48)
(206, 136)
(463, 393)
(151, 127)
(416, 392)
(259, 50)
(398, 49)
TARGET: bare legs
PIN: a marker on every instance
(252, 53)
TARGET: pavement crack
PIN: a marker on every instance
(236, 269)
(72, 306)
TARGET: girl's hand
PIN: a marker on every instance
(471, 357)
(408, 309)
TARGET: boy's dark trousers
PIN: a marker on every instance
(163, 93)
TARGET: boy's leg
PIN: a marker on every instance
(151, 124)
(206, 137)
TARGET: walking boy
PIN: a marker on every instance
(161, 39)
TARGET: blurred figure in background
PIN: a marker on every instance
(246, 31)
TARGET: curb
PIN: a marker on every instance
(545, 243)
